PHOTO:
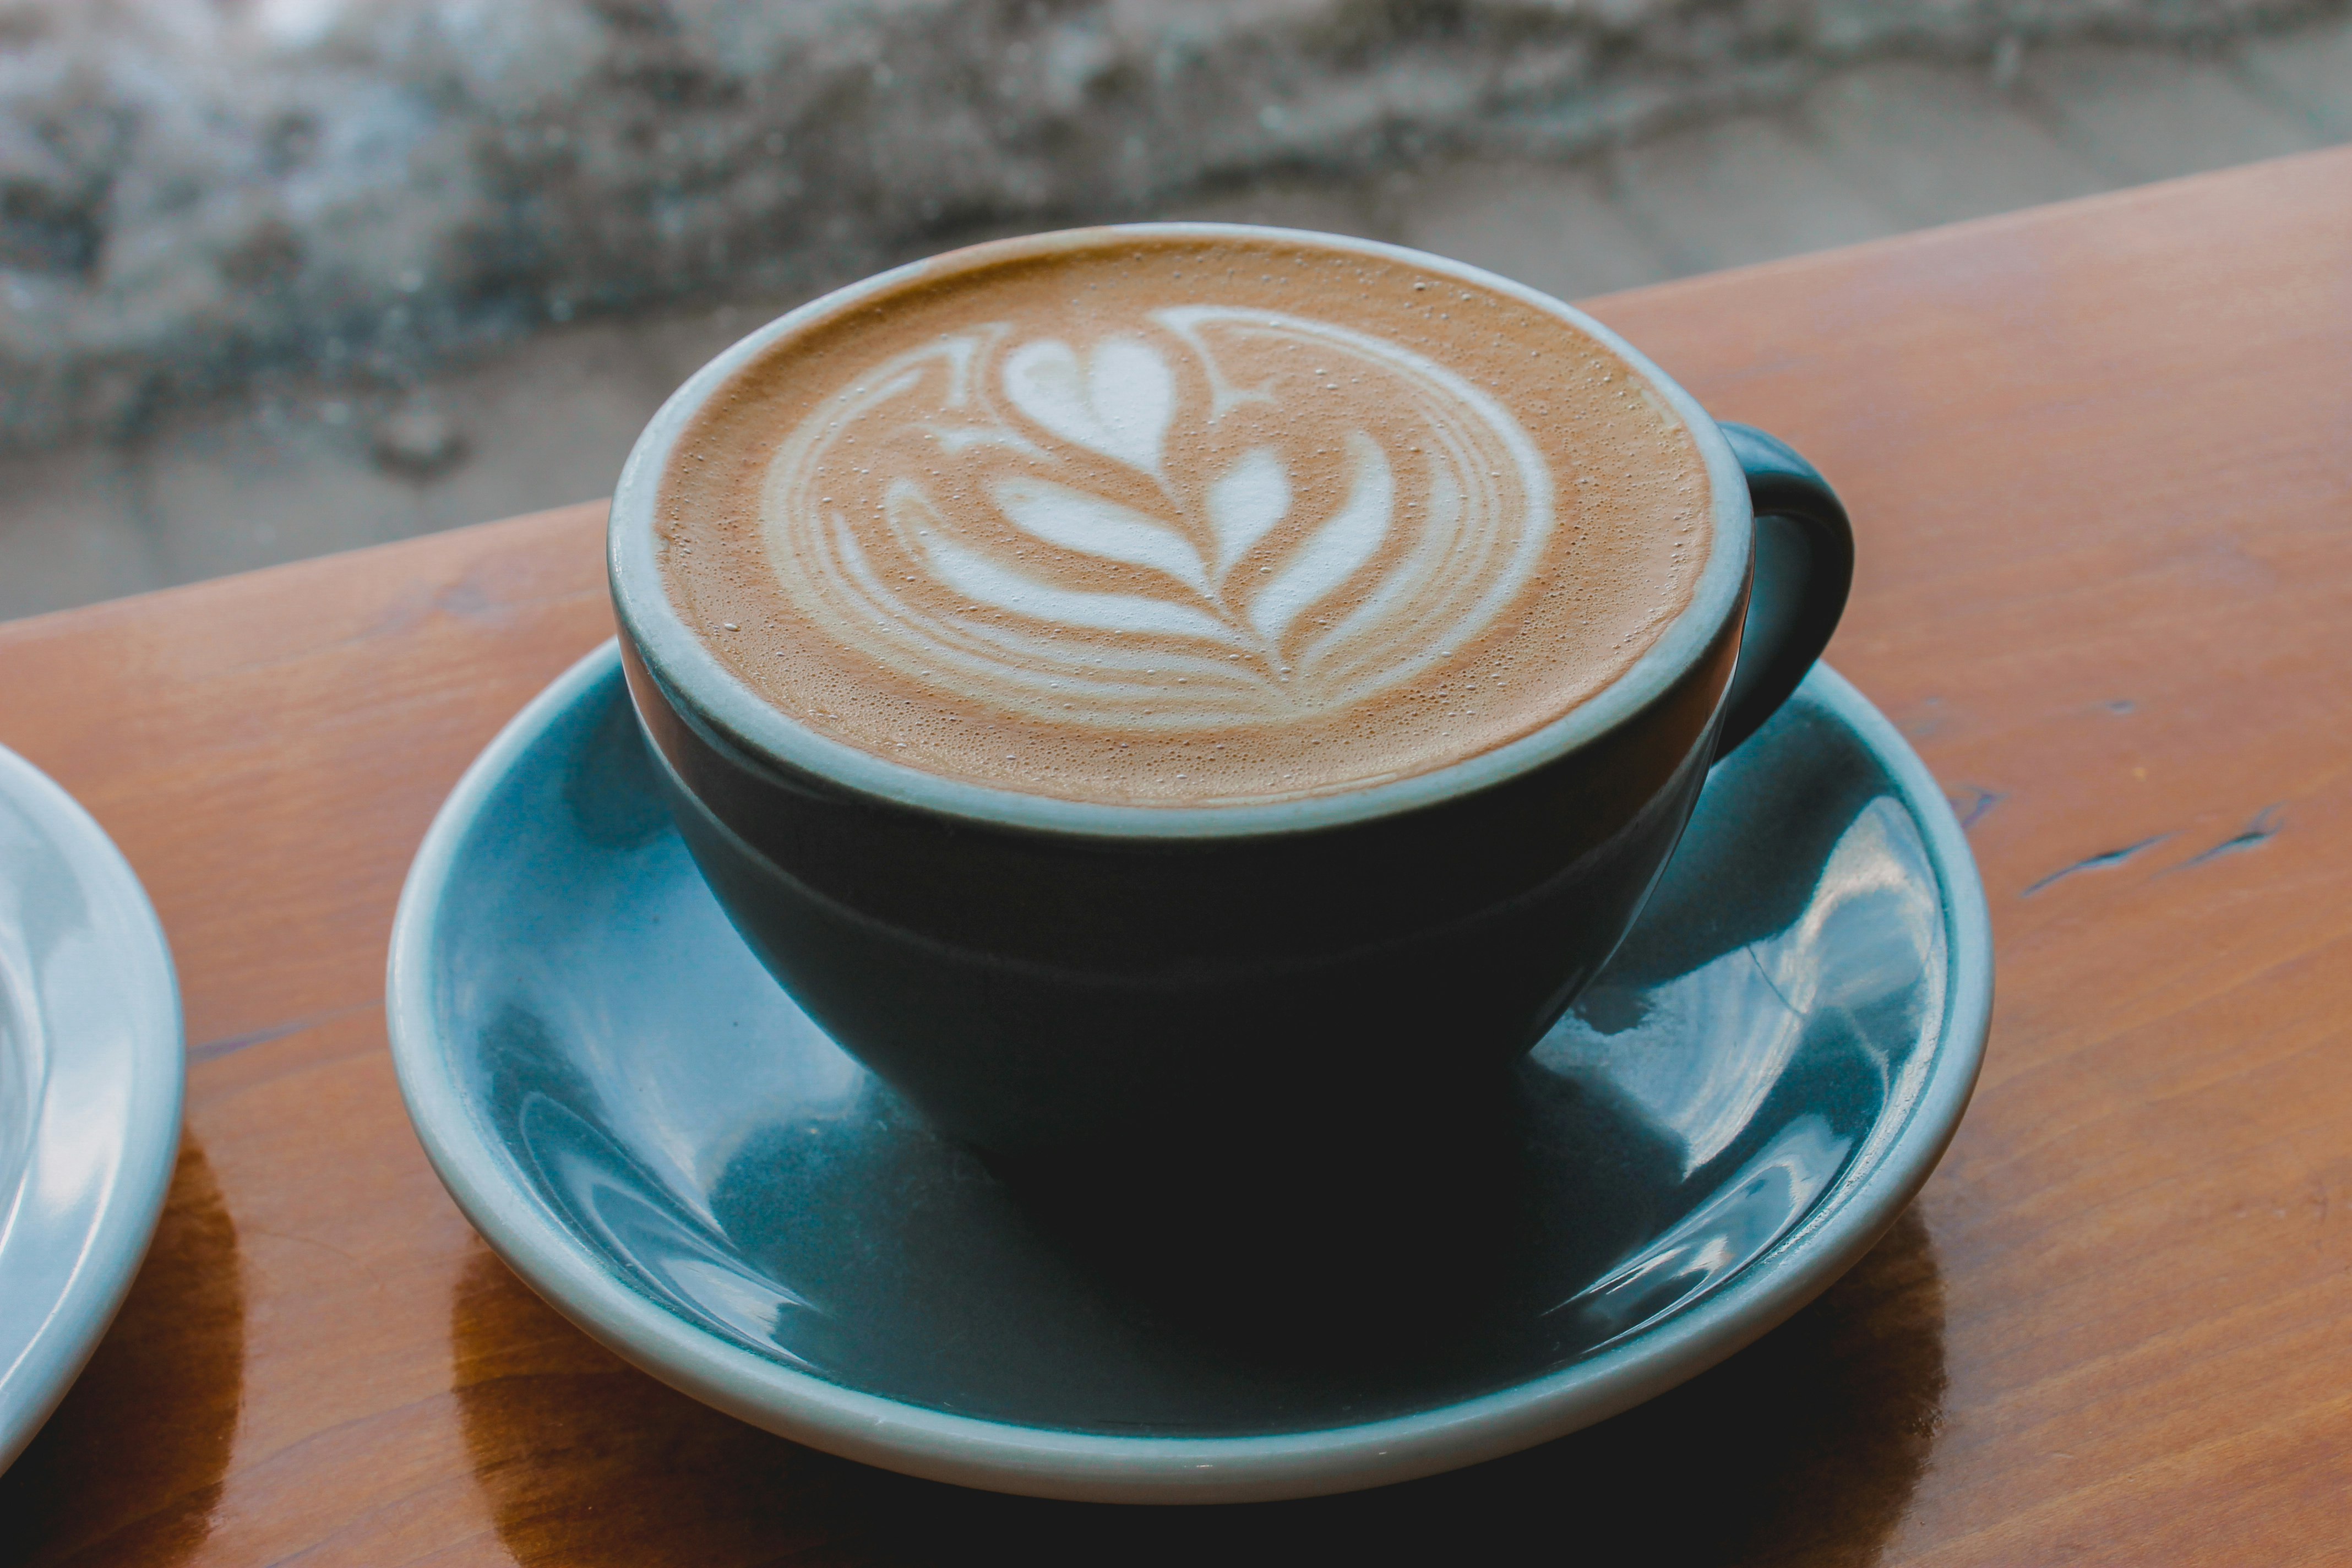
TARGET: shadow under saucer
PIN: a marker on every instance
(1803, 1450)
(130, 1463)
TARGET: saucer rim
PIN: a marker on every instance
(1040, 1461)
(111, 1046)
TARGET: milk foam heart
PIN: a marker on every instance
(1120, 407)
(1183, 521)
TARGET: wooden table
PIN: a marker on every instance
(2100, 457)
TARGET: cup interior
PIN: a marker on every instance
(711, 695)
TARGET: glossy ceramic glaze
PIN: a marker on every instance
(90, 1078)
(650, 1132)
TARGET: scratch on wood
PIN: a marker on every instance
(2096, 862)
(2261, 830)
(1972, 800)
(213, 1050)
(1926, 723)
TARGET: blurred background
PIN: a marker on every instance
(281, 277)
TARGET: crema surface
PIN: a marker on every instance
(1182, 519)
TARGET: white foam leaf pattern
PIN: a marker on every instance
(1120, 404)
(1093, 526)
(957, 526)
(1338, 550)
(979, 579)
(1245, 503)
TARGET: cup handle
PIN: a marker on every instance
(1805, 565)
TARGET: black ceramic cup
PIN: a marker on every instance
(1045, 977)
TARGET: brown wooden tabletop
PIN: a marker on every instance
(2100, 460)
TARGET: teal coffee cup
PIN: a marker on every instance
(1046, 977)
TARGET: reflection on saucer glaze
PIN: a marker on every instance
(91, 1076)
(657, 1139)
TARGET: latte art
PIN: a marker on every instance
(1181, 519)
(1223, 517)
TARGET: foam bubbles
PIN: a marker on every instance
(1158, 528)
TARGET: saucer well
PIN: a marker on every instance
(644, 1125)
(92, 1073)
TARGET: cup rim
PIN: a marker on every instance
(690, 674)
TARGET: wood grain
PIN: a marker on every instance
(2100, 458)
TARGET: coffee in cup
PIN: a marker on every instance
(1184, 519)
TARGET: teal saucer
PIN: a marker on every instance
(91, 1077)
(651, 1134)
